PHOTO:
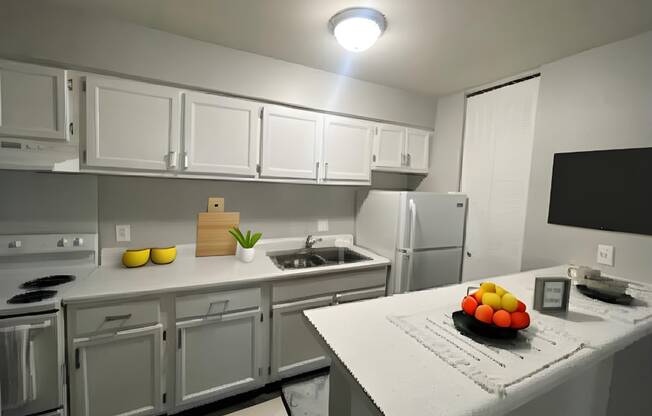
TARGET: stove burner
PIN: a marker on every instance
(33, 296)
(48, 281)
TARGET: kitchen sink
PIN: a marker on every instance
(314, 257)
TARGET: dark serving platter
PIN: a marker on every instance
(470, 326)
(623, 299)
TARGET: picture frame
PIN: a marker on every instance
(551, 294)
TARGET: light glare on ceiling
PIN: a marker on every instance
(357, 29)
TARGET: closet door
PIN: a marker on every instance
(220, 134)
(132, 124)
(347, 149)
(498, 137)
(291, 140)
(32, 101)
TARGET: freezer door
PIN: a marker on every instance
(431, 220)
(433, 268)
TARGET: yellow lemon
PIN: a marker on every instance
(492, 300)
(500, 291)
(488, 287)
(509, 302)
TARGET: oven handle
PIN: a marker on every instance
(43, 325)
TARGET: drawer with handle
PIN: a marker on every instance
(217, 303)
(116, 316)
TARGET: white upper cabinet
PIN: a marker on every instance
(389, 145)
(401, 149)
(291, 142)
(417, 149)
(347, 149)
(131, 124)
(220, 135)
(32, 101)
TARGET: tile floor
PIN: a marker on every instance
(302, 396)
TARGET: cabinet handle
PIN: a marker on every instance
(185, 160)
(373, 158)
(172, 160)
(317, 169)
(325, 170)
(409, 159)
(117, 317)
(77, 361)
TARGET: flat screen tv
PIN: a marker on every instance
(605, 190)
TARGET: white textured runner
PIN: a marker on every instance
(492, 365)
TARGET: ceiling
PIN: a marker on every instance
(431, 46)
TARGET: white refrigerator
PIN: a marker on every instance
(421, 232)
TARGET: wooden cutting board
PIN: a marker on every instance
(213, 238)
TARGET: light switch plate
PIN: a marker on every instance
(605, 255)
(122, 232)
(322, 225)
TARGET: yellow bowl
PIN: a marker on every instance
(164, 255)
(135, 258)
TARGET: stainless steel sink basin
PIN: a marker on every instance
(314, 257)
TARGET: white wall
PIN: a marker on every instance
(34, 30)
(599, 99)
(446, 146)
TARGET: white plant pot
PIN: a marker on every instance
(245, 255)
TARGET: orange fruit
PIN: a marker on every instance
(502, 319)
(484, 313)
(478, 295)
(469, 304)
(520, 307)
(520, 320)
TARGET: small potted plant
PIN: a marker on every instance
(245, 251)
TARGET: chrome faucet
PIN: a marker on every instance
(312, 241)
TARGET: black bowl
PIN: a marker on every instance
(468, 325)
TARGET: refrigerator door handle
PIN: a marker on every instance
(413, 222)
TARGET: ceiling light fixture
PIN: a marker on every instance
(357, 28)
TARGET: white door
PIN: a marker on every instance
(498, 136)
(131, 124)
(295, 347)
(217, 355)
(417, 149)
(32, 101)
(389, 146)
(291, 142)
(220, 134)
(347, 149)
(118, 375)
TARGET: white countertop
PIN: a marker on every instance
(187, 272)
(402, 377)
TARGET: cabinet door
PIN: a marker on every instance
(218, 356)
(417, 149)
(118, 375)
(291, 140)
(347, 149)
(220, 134)
(389, 145)
(131, 124)
(32, 101)
(295, 348)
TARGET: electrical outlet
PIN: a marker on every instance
(605, 254)
(122, 232)
(322, 225)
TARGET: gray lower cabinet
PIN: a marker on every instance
(118, 374)
(295, 348)
(217, 356)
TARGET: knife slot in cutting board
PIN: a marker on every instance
(213, 238)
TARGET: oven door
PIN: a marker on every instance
(31, 379)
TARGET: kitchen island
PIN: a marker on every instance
(384, 365)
